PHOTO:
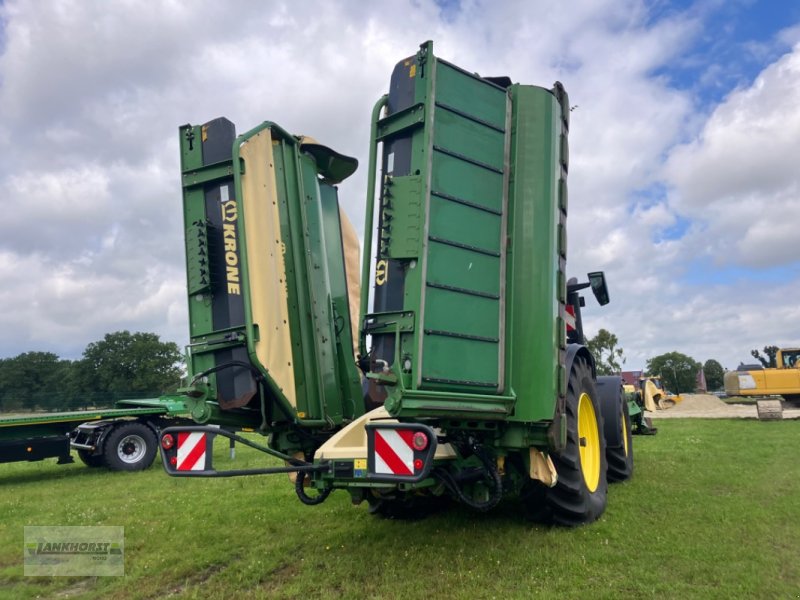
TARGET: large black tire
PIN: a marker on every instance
(130, 447)
(616, 427)
(580, 495)
(620, 458)
(89, 459)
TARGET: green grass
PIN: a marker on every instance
(712, 512)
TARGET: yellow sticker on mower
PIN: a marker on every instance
(360, 467)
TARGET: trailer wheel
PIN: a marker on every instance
(130, 447)
(620, 459)
(89, 459)
(580, 493)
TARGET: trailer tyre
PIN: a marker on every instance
(620, 459)
(580, 494)
(130, 447)
(89, 459)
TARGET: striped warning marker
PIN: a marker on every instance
(394, 454)
(569, 317)
(191, 451)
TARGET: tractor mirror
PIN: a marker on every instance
(598, 282)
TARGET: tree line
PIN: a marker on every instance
(678, 371)
(121, 365)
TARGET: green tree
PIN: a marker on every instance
(715, 374)
(125, 362)
(769, 360)
(677, 371)
(32, 380)
(603, 347)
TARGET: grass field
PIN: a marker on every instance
(712, 512)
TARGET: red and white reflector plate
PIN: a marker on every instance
(394, 452)
(569, 317)
(191, 451)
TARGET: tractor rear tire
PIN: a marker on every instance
(580, 494)
(620, 459)
(91, 460)
(130, 446)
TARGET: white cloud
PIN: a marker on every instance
(92, 94)
(739, 177)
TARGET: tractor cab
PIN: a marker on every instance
(575, 301)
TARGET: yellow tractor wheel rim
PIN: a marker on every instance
(624, 433)
(589, 442)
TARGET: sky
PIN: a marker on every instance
(684, 140)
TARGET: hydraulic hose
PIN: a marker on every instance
(496, 488)
(305, 498)
(234, 363)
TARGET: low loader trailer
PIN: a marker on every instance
(124, 438)
(454, 366)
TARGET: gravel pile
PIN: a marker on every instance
(708, 406)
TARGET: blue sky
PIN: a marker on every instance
(684, 184)
(737, 39)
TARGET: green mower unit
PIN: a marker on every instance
(459, 369)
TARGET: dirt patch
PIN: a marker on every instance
(708, 406)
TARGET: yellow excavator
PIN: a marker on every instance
(651, 394)
(781, 380)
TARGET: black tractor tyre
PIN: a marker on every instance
(580, 494)
(130, 447)
(91, 460)
(620, 458)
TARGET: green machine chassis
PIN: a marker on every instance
(479, 336)
(465, 353)
(271, 338)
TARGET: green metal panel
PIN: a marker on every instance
(534, 281)
(407, 217)
(315, 382)
(456, 90)
(465, 271)
(449, 308)
(464, 254)
(197, 273)
(453, 179)
(326, 396)
(348, 378)
(482, 289)
(442, 231)
(447, 218)
(470, 140)
(198, 177)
